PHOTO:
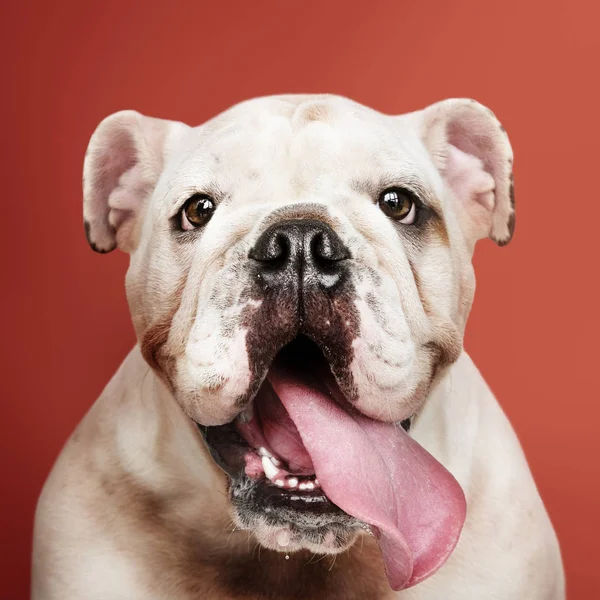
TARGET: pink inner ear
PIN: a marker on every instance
(127, 196)
(468, 179)
(472, 152)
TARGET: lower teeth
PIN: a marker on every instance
(277, 475)
(293, 482)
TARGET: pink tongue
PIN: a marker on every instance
(280, 433)
(377, 473)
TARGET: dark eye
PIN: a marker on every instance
(399, 204)
(197, 211)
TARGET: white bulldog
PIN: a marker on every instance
(300, 282)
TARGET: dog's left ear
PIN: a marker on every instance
(472, 152)
(124, 160)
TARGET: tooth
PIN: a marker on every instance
(292, 482)
(264, 452)
(279, 482)
(317, 484)
(270, 469)
(310, 485)
(302, 486)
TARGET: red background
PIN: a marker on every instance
(534, 331)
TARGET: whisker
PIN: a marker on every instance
(321, 558)
(333, 562)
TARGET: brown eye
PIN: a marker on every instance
(197, 211)
(398, 204)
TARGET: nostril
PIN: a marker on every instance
(326, 249)
(274, 249)
(278, 248)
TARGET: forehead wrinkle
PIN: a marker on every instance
(302, 155)
(199, 171)
(320, 155)
(263, 150)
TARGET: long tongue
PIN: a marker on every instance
(377, 473)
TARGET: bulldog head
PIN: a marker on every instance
(300, 277)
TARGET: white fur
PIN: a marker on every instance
(263, 158)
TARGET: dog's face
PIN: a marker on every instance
(302, 231)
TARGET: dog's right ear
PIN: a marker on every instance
(124, 160)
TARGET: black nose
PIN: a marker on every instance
(306, 251)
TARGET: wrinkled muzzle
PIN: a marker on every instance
(300, 272)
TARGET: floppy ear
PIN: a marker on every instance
(122, 165)
(472, 152)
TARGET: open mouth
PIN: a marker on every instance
(305, 450)
(263, 443)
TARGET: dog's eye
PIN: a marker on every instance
(399, 204)
(197, 211)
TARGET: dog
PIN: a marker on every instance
(298, 418)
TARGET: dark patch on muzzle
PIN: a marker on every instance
(300, 276)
